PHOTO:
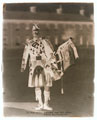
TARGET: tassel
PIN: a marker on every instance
(62, 91)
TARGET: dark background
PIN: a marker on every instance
(51, 7)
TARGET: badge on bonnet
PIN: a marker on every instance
(35, 27)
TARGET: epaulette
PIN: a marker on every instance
(27, 42)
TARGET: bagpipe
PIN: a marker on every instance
(66, 54)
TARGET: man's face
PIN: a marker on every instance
(35, 32)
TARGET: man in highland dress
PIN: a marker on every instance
(41, 61)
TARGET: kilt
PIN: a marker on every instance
(39, 75)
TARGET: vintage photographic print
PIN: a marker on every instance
(48, 59)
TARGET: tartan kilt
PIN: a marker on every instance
(39, 76)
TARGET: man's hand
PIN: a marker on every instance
(22, 69)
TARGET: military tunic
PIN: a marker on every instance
(42, 62)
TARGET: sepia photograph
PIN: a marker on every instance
(48, 59)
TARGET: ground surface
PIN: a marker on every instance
(78, 88)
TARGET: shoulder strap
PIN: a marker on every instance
(51, 46)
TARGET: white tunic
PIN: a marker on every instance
(41, 62)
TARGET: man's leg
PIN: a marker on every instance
(38, 94)
(46, 98)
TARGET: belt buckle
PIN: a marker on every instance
(38, 57)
